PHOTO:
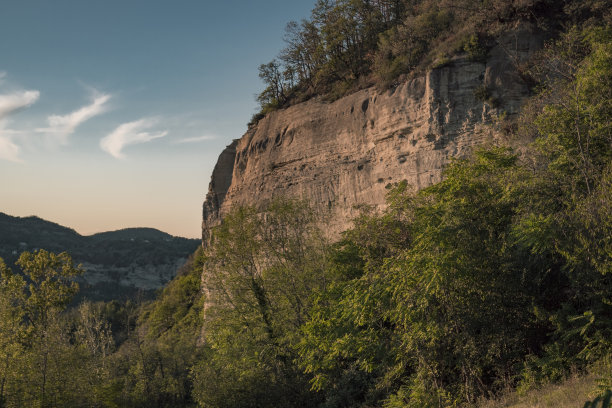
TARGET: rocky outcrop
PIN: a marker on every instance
(220, 182)
(341, 154)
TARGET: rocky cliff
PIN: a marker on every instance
(341, 154)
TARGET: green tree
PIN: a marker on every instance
(38, 353)
(274, 95)
(259, 273)
(567, 217)
(350, 345)
(11, 333)
(49, 291)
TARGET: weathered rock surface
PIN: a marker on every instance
(341, 154)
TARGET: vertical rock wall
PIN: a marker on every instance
(341, 154)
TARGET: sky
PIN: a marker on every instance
(113, 112)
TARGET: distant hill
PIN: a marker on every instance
(132, 233)
(118, 263)
(18, 232)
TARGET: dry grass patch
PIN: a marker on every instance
(573, 392)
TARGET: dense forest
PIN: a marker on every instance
(497, 278)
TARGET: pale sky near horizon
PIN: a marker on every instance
(113, 113)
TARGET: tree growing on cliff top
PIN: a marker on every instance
(348, 44)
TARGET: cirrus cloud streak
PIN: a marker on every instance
(62, 126)
(195, 139)
(16, 101)
(8, 149)
(10, 104)
(128, 134)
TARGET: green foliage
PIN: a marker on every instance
(603, 370)
(475, 48)
(406, 314)
(603, 401)
(260, 272)
(51, 288)
(348, 44)
(496, 277)
(403, 47)
(576, 130)
(12, 335)
(152, 366)
(34, 338)
(348, 343)
(574, 148)
(94, 354)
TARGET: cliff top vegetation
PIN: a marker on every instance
(346, 45)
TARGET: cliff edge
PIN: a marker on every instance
(341, 154)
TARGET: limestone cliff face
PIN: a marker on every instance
(340, 154)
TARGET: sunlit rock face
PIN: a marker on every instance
(341, 154)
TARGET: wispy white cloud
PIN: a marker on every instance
(8, 149)
(128, 134)
(16, 101)
(2, 76)
(9, 104)
(196, 139)
(62, 126)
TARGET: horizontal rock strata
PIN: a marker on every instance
(342, 154)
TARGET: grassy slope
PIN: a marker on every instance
(573, 392)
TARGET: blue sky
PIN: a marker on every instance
(113, 113)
